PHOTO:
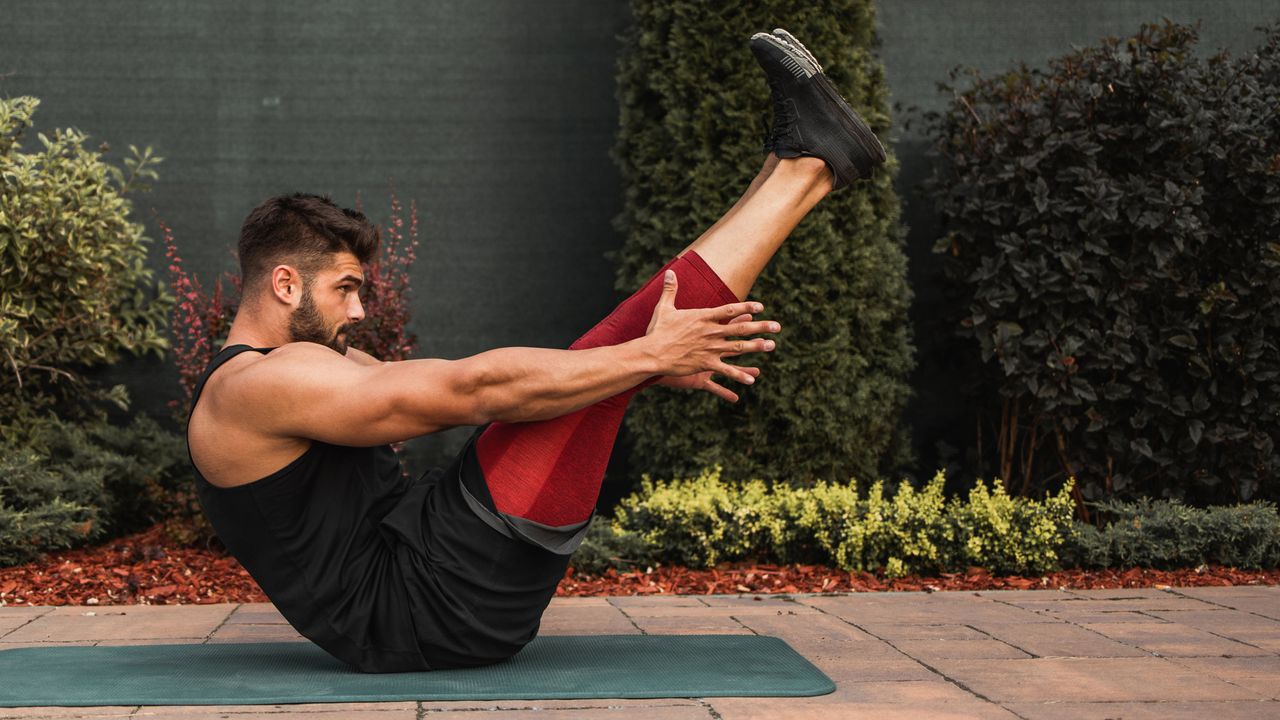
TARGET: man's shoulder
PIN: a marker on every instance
(285, 364)
(361, 357)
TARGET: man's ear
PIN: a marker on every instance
(286, 284)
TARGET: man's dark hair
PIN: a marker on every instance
(303, 230)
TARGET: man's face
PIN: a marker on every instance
(330, 304)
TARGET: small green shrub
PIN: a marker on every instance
(42, 508)
(63, 485)
(608, 546)
(704, 520)
(74, 289)
(1169, 534)
(1011, 534)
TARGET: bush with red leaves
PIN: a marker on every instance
(202, 318)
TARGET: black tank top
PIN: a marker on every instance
(310, 535)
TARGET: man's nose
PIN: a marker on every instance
(356, 311)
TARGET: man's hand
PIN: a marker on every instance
(703, 381)
(693, 341)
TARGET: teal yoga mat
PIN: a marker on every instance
(550, 667)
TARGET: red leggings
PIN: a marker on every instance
(550, 471)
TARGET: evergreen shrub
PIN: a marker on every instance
(694, 108)
(65, 484)
(1111, 232)
(74, 289)
(1168, 534)
(704, 520)
(609, 546)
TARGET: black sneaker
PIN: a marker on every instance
(810, 117)
(801, 65)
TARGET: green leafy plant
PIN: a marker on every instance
(1110, 233)
(74, 288)
(693, 107)
(64, 484)
(1168, 534)
(704, 520)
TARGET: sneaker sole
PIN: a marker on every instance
(791, 40)
(794, 61)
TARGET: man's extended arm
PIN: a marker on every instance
(308, 390)
(521, 384)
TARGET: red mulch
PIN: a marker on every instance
(146, 568)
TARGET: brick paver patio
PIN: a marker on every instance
(1180, 653)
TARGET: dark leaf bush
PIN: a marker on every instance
(1112, 226)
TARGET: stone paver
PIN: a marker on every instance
(1034, 654)
(1060, 640)
(1170, 638)
(256, 614)
(1230, 710)
(135, 622)
(1147, 679)
(109, 711)
(1264, 601)
(1261, 674)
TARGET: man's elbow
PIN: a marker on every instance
(491, 394)
(482, 394)
(445, 397)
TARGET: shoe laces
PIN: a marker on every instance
(784, 116)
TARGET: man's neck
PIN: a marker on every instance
(249, 329)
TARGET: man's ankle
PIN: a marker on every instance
(804, 165)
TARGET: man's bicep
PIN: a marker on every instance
(324, 396)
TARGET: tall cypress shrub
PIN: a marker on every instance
(694, 106)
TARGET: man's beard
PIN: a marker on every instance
(306, 325)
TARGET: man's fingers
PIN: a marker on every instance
(738, 347)
(669, 286)
(751, 328)
(740, 374)
(733, 310)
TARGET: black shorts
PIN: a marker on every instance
(478, 580)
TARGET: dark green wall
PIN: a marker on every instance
(496, 116)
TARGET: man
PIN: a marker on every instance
(289, 427)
